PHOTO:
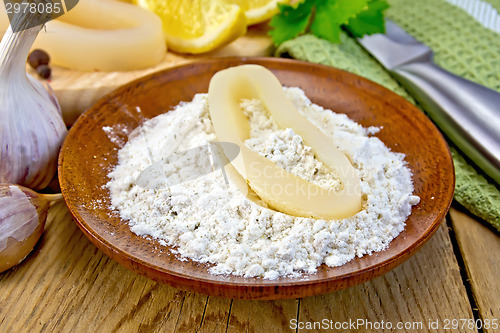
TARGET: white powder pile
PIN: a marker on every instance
(210, 221)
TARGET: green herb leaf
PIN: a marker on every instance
(326, 18)
(330, 15)
(291, 21)
(369, 21)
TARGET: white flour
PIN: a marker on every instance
(209, 221)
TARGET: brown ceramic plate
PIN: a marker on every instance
(88, 155)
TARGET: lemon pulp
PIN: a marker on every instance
(198, 26)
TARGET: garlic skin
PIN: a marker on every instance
(23, 213)
(31, 124)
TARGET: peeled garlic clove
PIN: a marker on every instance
(31, 125)
(23, 213)
(277, 187)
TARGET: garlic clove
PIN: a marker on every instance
(23, 214)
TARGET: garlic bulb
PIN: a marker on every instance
(31, 125)
(23, 213)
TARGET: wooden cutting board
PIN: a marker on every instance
(77, 91)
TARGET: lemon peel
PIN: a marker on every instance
(257, 11)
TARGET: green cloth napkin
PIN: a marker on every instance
(461, 45)
(495, 4)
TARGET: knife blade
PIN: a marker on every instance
(468, 113)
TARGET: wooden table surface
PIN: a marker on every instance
(67, 285)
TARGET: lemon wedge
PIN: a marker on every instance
(197, 26)
(257, 11)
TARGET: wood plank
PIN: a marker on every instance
(480, 248)
(67, 284)
(216, 315)
(426, 287)
(261, 316)
(191, 313)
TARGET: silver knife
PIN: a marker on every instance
(468, 113)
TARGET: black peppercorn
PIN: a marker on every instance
(43, 71)
(37, 58)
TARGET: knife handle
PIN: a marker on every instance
(468, 113)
